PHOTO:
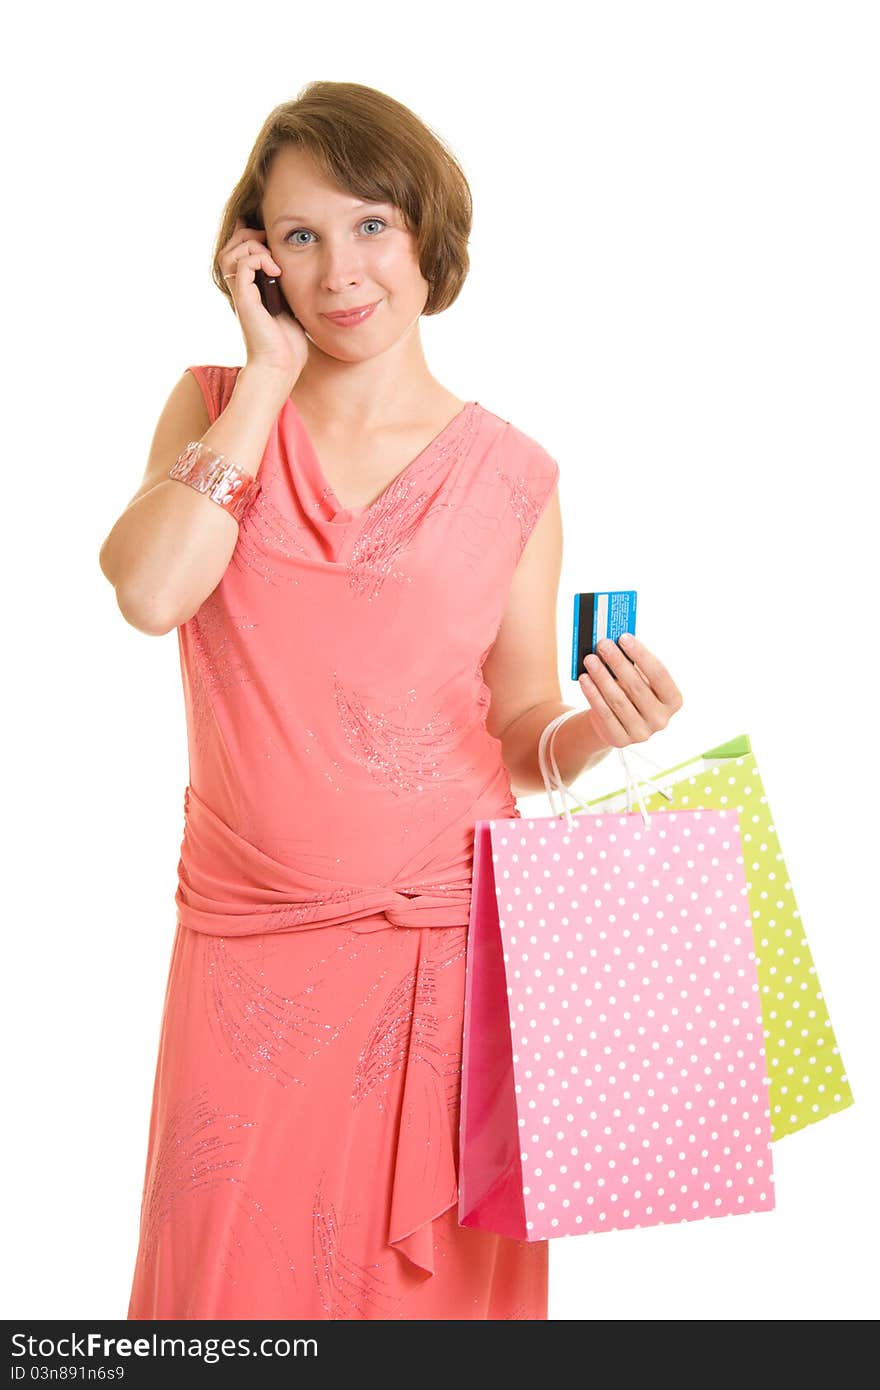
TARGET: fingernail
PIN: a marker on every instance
(625, 639)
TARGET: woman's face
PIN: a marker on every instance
(337, 252)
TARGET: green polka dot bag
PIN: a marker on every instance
(807, 1080)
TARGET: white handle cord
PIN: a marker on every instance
(557, 785)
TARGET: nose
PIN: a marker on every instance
(336, 281)
(341, 268)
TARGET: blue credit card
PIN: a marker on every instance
(596, 616)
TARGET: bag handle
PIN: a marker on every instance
(633, 781)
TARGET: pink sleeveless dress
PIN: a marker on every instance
(303, 1140)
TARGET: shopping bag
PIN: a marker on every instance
(613, 1068)
(807, 1078)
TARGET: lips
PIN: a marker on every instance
(351, 313)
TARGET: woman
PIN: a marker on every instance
(362, 570)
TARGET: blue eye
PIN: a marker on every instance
(296, 230)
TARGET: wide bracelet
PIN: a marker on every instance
(217, 476)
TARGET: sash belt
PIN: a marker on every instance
(229, 887)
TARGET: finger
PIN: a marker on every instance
(653, 670)
(604, 718)
(626, 676)
(249, 247)
(244, 241)
(629, 715)
(261, 255)
(619, 662)
(254, 260)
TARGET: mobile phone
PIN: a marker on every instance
(270, 293)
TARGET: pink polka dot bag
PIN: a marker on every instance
(807, 1079)
(614, 1071)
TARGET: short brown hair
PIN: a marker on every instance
(377, 149)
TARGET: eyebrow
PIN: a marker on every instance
(300, 217)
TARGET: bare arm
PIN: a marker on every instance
(170, 547)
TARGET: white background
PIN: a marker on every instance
(674, 288)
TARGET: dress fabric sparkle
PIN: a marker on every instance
(303, 1139)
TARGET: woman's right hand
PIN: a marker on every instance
(274, 341)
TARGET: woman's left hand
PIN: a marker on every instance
(642, 699)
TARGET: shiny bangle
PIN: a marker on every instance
(212, 473)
